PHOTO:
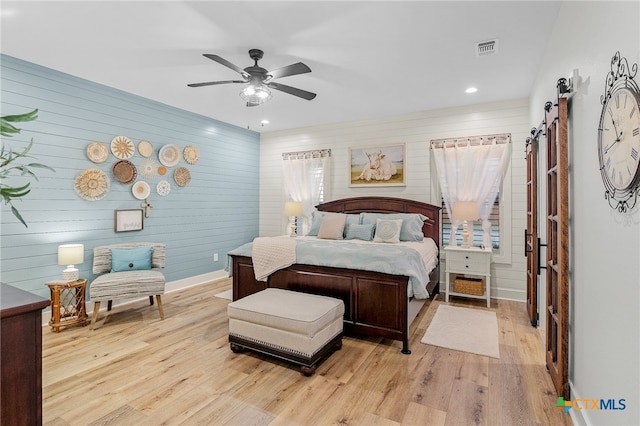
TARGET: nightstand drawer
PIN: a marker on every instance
(469, 262)
(468, 267)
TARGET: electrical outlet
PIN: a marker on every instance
(215, 257)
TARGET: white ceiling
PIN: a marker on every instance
(368, 59)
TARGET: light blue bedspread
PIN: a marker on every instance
(386, 258)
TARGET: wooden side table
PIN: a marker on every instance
(67, 303)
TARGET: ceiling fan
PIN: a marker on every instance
(258, 80)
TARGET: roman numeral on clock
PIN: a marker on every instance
(634, 154)
(636, 131)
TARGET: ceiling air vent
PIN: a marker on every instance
(488, 47)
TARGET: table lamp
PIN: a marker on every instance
(465, 211)
(70, 254)
(293, 209)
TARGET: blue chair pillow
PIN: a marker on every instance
(132, 259)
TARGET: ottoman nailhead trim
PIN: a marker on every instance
(281, 348)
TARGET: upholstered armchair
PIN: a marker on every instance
(127, 271)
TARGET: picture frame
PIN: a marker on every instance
(378, 165)
(128, 220)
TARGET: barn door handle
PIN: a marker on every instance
(539, 256)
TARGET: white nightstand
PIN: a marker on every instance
(470, 262)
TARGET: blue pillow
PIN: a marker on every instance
(359, 232)
(316, 221)
(411, 229)
(133, 259)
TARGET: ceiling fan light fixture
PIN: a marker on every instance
(255, 94)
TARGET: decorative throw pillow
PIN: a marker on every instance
(316, 221)
(332, 226)
(388, 231)
(359, 232)
(317, 216)
(132, 259)
(411, 229)
(352, 219)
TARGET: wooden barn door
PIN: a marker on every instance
(557, 265)
(531, 245)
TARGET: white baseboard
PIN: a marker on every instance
(508, 294)
(169, 287)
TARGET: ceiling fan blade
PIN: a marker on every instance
(292, 91)
(293, 69)
(227, 64)
(212, 83)
(251, 104)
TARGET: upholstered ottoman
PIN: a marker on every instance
(298, 327)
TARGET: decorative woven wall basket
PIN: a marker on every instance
(474, 286)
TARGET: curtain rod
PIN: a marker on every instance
(501, 138)
(306, 154)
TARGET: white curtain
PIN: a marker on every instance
(472, 169)
(306, 177)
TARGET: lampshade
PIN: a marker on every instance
(465, 210)
(293, 208)
(255, 94)
(70, 254)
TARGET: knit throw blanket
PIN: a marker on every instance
(270, 254)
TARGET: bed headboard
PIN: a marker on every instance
(430, 228)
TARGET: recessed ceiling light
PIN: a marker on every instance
(264, 122)
(471, 90)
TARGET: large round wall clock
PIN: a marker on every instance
(619, 136)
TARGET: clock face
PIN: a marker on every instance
(619, 141)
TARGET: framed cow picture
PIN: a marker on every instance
(382, 165)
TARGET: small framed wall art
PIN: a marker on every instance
(128, 220)
(382, 165)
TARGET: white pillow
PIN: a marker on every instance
(332, 226)
(388, 231)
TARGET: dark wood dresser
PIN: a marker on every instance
(20, 356)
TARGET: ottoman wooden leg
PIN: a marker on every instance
(308, 371)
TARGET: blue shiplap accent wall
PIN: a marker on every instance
(215, 213)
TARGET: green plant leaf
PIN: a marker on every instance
(19, 118)
(7, 157)
(17, 215)
(40, 166)
(7, 129)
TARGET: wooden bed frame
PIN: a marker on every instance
(376, 304)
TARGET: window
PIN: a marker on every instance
(306, 179)
(477, 169)
(478, 233)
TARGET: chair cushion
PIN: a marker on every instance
(128, 284)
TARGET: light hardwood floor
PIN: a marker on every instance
(134, 369)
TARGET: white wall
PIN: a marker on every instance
(416, 130)
(604, 244)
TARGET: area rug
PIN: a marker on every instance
(464, 329)
(228, 294)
